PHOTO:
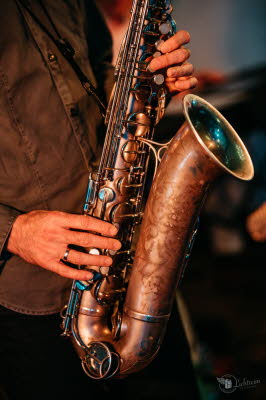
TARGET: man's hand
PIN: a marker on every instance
(174, 58)
(42, 237)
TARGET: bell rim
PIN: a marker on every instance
(250, 167)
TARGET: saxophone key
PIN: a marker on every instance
(122, 212)
(94, 251)
(130, 151)
(165, 28)
(106, 195)
(159, 44)
(138, 124)
(158, 79)
(157, 54)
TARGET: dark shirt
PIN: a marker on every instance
(49, 132)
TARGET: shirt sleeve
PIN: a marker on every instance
(8, 216)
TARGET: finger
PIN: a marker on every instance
(171, 88)
(79, 258)
(71, 273)
(177, 40)
(181, 70)
(90, 240)
(180, 85)
(87, 223)
(164, 61)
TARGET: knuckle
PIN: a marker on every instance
(167, 59)
(87, 239)
(69, 237)
(85, 222)
(57, 215)
(103, 227)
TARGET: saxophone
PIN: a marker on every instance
(117, 320)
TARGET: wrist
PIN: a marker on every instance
(13, 239)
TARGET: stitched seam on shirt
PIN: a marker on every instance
(74, 122)
(29, 312)
(18, 125)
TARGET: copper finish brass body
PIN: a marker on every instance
(183, 177)
(118, 319)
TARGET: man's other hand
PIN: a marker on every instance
(174, 58)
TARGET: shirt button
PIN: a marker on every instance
(52, 57)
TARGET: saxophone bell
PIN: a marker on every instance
(217, 137)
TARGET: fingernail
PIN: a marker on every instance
(193, 82)
(171, 72)
(108, 262)
(114, 230)
(117, 246)
(160, 46)
(89, 276)
(150, 69)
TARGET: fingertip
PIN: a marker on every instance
(150, 69)
(113, 230)
(185, 35)
(108, 262)
(117, 245)
(193, 82)
(88, 276)
(186, 84)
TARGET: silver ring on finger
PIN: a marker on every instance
(66, 254)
